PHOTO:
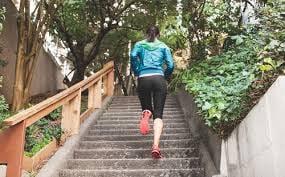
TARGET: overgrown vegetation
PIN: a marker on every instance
(4, 108)
(43, 132)
(227, 85)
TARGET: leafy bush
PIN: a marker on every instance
(43, 132)
(226, 86)
(220, 84)
(4, 109)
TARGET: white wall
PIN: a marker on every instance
(3, 170)
(256, 148)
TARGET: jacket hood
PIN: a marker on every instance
(151, 45)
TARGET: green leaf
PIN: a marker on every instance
(266, 68)
(206, 106)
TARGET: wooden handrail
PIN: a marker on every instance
(12, 139)
(64, 96)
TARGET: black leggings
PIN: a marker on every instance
(152, 87)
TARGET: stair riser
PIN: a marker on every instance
(134, 164)
(136, 119)
(138, 106)
(137, 101)
(137, 98)
(135, 131)
(167, 104)
(134, 126)
(165, 121)
(135, 154)
(138, 109)
(137, 145)
(137, 116)
(169, 113)
(133, 138)
(135, 173)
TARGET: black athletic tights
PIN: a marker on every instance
(152, 88)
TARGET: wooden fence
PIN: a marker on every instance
(12, 139)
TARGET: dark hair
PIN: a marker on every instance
(152, 32)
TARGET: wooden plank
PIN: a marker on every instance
(98, 94)
(39, 107)
(12, 142)
(86, 114)
(37, 116)
(91, 97)
(110, 84)
(70, 122)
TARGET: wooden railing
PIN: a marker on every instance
(12, 139)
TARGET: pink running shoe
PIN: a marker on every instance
(155, 153)
(144, 127)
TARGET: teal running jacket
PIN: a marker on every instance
(148, 58)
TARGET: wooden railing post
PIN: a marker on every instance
(71, 116)
(98, 94)
(110, 84)
(91, 96)
(12, 142)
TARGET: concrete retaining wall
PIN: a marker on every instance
(210, 146)
(256, 148)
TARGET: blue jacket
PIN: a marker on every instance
(149, 58)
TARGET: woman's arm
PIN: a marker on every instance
(135, 60)
(169, 63)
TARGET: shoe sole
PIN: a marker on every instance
(144, 126)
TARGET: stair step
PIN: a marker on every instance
(120, 164)
(134, 126)
(136, 121)
(138, 144)
(168, 104)
(135, 117)
(134, 137)
(134, 153)
(137, 100)
(139, 112)
(137, 106)
(136, 97)
(136, 131)
(132, 118)
(194, 172)
(119, 110)
(126, 113)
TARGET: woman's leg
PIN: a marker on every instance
(159, 97)
(144, 92)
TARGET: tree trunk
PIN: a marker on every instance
(121, 81)
(78, 75)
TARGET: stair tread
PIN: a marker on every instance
(147, 163)
(114, 147)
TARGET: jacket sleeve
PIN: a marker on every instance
(135, 59)
(169, 63)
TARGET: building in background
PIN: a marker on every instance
(48, 74)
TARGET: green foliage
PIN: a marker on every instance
(4, 109)
(220, 83)
(208, 23)
(43, 132)
(226, 86)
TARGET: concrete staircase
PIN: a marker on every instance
(114, 147)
